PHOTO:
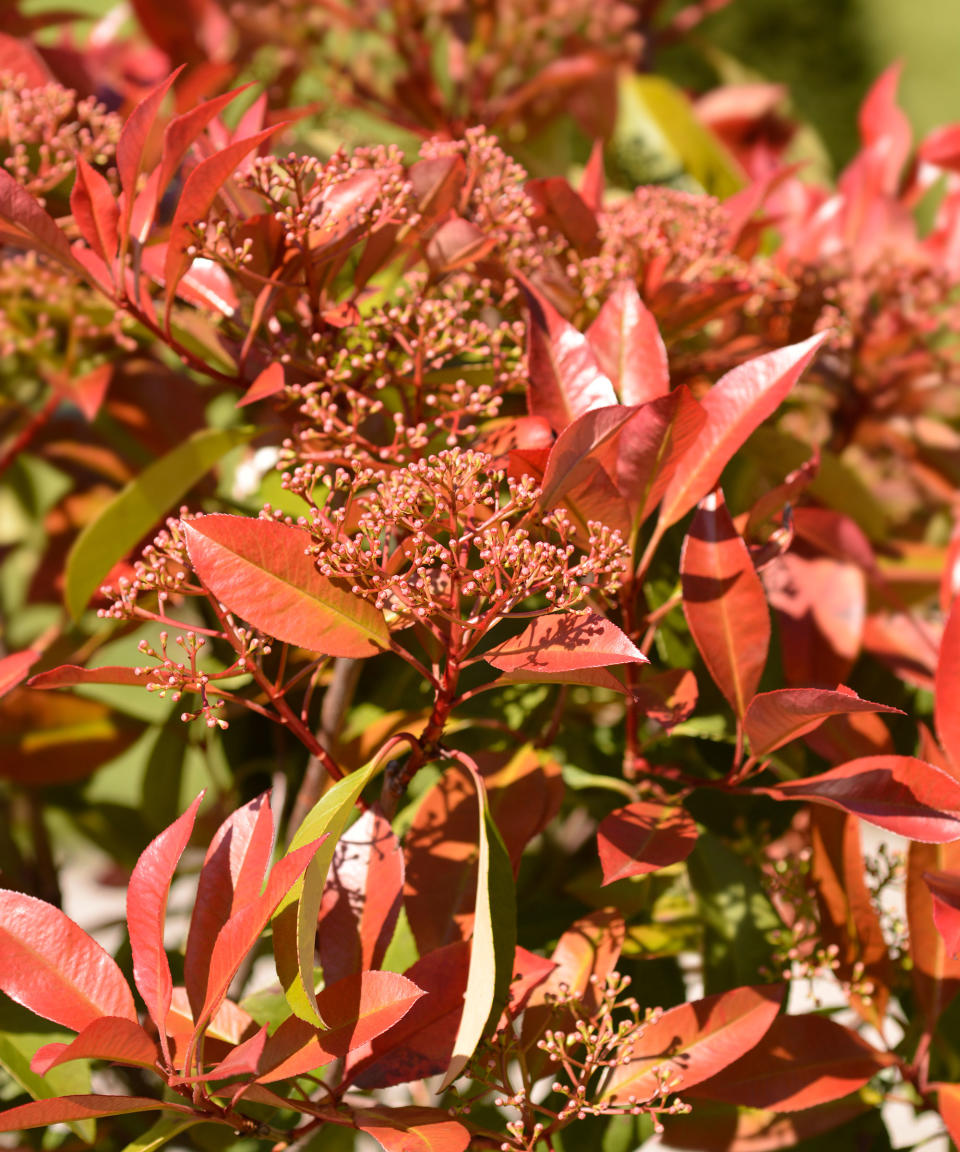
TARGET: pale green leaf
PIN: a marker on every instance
(160, 1133)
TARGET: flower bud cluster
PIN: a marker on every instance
(163, 570)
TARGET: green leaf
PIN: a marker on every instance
(21, 1034)
(659, 140)
(736, 914)
(295, 921)
(160, 1133)
(138, 507)
(494, 940)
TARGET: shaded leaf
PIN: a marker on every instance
(900, 793)
(775, 718)
(724, 603)
(565, 642)
(945, 889)
(136, 508)
(42, 1113)
(643, 837)
(695, 1041)
(628, 346)
(572, 457)
(260, 570)
(24, 223)
(935, 975)
(51, 966)
(800, 1062)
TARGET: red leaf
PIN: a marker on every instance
(362, 898)
(113, 1038)
(529, 972)
(24, 223)
(942, 147)
(411, 1129)
(259, 569)
(695, 1041)
(268, 383)
(948, 1097)
(900, 793)
(70, 675)
(13, 669)
(724, 603)
(573, 456)
(95, 211)
(565, 642)
(628, 346)
(42, 1113)
(585, 956)
(147, 912)
(643, 837)
(592, 181)
(133, 142)
(881, 119)
(200, 190)
(87, 390)
(456, 244)
(945, 889)
(800, 1062)
(563, 210)
(357, 1009)
(20, 58)
(565, 378)
(737, 404)
(775, 718)
(232, 876)
(947, 687)
(935, 975)
(51, 966)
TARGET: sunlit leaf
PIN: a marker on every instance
(643, 837)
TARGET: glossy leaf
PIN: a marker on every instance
(95, 211)
(724, 603)
(42, 1113)
(695, 1041)
(800, 1062)
(200, 190)
(628, 346)
(410, 1129)
(945, 889)
(565, 642)
(147, 896)
(643, 837)
(565, 379)
(295, 921)
(775, 718)
(260, 570)
(737, 404)
(899, 793)
(51, 966)
(232, 876)
(493, 942)
(138, 507)
(362, 898)
(947, 687)
(114, 1038)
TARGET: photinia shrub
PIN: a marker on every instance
(499, 629)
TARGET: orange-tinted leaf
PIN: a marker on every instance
(232, 876)
(775, 718)
(900, 793)
(95, 211)
(736, 405)
(114, 1038)
(724, 603)
(71, 675)
(411, 1129)
(42, 1113)
(695, 1041)
(147, 912)
(51, 966)
(643, 837)
(935, 975)
(585, 956)
(362, 898)
(948, 1097)
(268, 383)
(565, 379)
(565, 642)
(628, 346)
(800, 1062)
(14, 668)
(947, 687)
(259, 569)
(945, 889)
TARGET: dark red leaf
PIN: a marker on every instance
(945, 889)
(456, 244)
(147, 912)
(565, 642)
(114, 1038)
(724, 603)
(643, 837)
(900, 793)
(411, 1129)
(800, 1062)
(775, 718)
(628, 346)
(695, 1041)
(95, 211)
(563, 210)
(42, 1113)
(51, 966)
(565, 378)
(736, 405)
(260, 570)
